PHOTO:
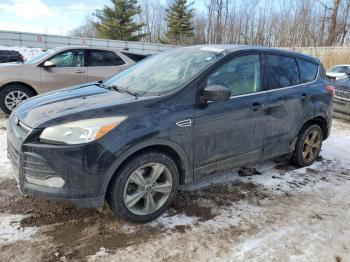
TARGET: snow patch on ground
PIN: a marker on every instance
(172, 221)
(27, 52)
(337, 146)
(5, 166)
(11, 230)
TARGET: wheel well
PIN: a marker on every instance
(22, 84)
(170, 152)
(322, 123)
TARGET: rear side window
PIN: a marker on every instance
(308, 71)
(282, 71)
(104, 58)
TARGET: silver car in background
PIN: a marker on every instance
(337, 72)
(58, 68)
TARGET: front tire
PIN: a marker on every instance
(144, 187)
(11, 96)
(308, 146)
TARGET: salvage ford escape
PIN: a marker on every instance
(167, 121)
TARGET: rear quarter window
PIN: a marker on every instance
(308, 70)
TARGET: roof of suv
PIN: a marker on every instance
(235, 48)
(68, 47)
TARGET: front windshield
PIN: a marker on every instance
(338, 69)
(164, 72)
(37, 57)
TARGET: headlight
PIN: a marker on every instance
(82, 131)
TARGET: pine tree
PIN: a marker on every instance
(116, 22)
(179, 19)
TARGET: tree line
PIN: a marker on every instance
(279, 23)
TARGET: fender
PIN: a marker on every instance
(316, 118)
(186, 164)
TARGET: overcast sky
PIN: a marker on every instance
(45, 16)
(48, 16)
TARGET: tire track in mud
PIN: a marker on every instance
(73, 233)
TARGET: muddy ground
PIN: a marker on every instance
(280, 213)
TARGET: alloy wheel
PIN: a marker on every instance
(147, 189)
(312, 145)
(14, 98)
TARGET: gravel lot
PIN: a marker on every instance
(282, 213)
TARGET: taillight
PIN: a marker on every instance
(329, 89)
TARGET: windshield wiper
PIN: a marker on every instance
(101, 84)
(116, 88)
(123, 90)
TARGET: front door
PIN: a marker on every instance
(69, 70)
(231, 133)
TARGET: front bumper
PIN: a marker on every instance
(341, 105)
(83, 168)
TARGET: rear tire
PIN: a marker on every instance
(144, 187)
(308, 146)
(11, 96)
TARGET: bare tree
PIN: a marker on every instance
(332, 34)
(86, 29)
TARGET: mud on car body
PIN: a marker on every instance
(167, 121)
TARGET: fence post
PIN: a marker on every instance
(20, 39)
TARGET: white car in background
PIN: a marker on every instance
(337, 72)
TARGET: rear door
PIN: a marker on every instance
(289, 103)
(69, 70)
(103, 64)
(231, 133)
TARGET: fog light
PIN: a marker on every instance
(53, 181)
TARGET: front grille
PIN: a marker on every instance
(342, 94)
(36, 166)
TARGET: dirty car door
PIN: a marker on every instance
(289, 104)
(231, 133)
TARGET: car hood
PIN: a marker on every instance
(69, 104)
(12, 65)
(334, 74)
(343, 84)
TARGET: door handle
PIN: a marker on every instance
(304, 96)
(256, 106)
(80, 71)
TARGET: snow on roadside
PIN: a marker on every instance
(337, 147)
(5, 167)
(27, 52)
(11, 230)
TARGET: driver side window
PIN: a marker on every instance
(71, 58)
(241, 75)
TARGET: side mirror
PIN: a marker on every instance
(216, 93)
(49, 64)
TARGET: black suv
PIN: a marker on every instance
(7, 56)
(166, 121)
